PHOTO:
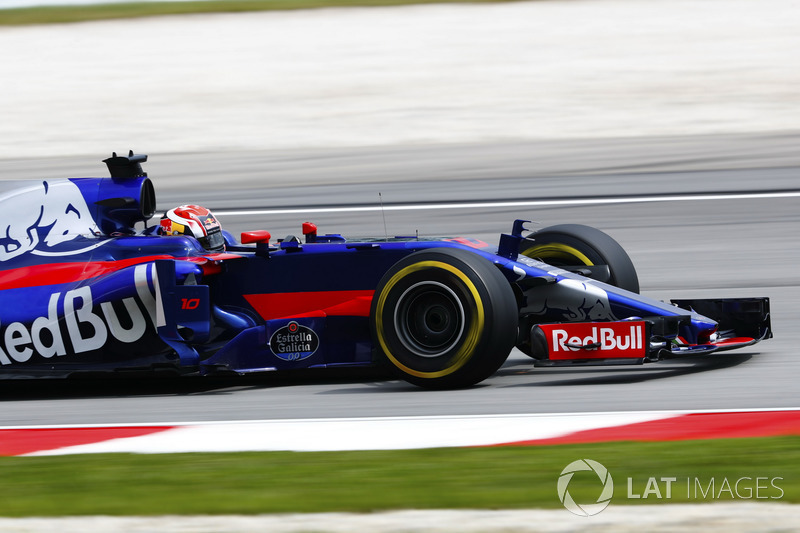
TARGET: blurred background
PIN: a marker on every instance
(409, 75)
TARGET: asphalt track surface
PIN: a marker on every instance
(684, 243)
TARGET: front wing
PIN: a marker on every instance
(742, 322)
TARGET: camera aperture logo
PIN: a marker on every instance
(606, 492)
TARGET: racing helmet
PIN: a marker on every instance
(194, 221)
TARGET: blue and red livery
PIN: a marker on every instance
(82, 289)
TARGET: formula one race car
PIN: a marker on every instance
(83, 290)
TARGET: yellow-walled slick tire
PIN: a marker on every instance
(444, 318)
(574, 245)
(568, 245)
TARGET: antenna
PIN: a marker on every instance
(383, 213)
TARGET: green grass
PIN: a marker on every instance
(62, 14)
(488, 478)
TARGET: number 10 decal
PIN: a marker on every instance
(190, 303)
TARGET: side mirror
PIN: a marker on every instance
(310, 231)
(260, 236)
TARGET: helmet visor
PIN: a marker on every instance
(214, 241)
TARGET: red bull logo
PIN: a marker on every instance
(596, 341)
(74, 323)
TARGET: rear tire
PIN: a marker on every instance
(444, 318)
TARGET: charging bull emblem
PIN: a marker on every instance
(42, 216)
(573, 301)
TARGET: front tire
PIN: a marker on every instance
(574, 245)
(568, 245)
(444, 318)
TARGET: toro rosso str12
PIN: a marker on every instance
(88, 286)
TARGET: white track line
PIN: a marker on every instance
(384, 433)
(512, 416)
(521, 203)
(357, 434)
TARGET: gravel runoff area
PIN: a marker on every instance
(711, 518)
(351, 77)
